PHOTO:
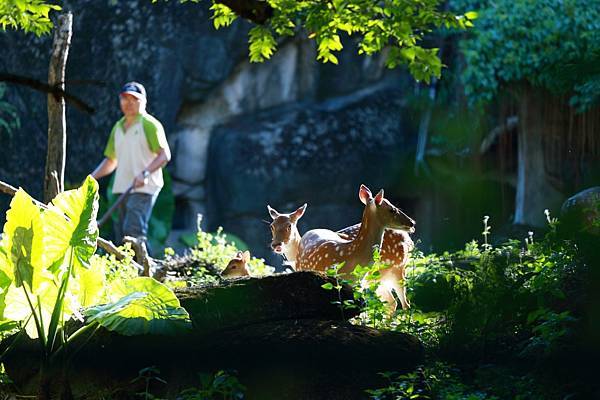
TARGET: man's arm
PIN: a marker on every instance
(106, 167)
(163, 157)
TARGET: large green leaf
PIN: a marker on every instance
(5, 282)
(22, 247)
(43, 301)
(141, 306)
(79, 230)
(88, 288)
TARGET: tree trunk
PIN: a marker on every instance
(57, 130)
(424, 130)
(534, 191)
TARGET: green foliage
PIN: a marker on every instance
(32, 16)
(140, 306)
(46, 277)
(517, 41)
(215, 251)
(507, 297)
(222, 15)
(262, 43)
(334, 273)
(43, 251)
(397, 25)
(114, 269)
(220, 386)
(364, 282)
(436, 380)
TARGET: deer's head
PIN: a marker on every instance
(283, 227)
(384, 212)
(237, 266)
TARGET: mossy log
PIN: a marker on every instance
(241, 302)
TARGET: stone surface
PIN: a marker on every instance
(315, 153)
(580, 213)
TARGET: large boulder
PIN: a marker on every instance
(580, 213)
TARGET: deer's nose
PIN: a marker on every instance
(274, 245)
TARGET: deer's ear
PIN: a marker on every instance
(246, 256)
(296, 215)
(365, 195)
(272, 212)
(379, 197)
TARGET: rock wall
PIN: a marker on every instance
(317, 153)
(285, 131)
(171, 48)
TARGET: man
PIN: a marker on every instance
(137, 148)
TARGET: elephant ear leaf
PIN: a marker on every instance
(144, 306)
(22, 253)
(70, 221)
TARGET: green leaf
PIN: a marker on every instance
(471, 15)
(28, 15)
(43, 301)
(78, 230)
(23, 250)
(143, 306)
(222, 15)
(262, 44)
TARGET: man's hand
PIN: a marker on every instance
(141, 179)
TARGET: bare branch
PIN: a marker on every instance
(46, 88)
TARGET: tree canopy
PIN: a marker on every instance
(396, 26)
(31, 16)
(550, 43)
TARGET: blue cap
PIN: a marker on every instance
(135, 89)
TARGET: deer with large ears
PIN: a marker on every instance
(285, 235)
(237, 266)
(353, 245)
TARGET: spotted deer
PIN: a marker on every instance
(237, 266)
(352, 245)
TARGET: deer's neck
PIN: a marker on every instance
(369, 235)
(290, 250)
